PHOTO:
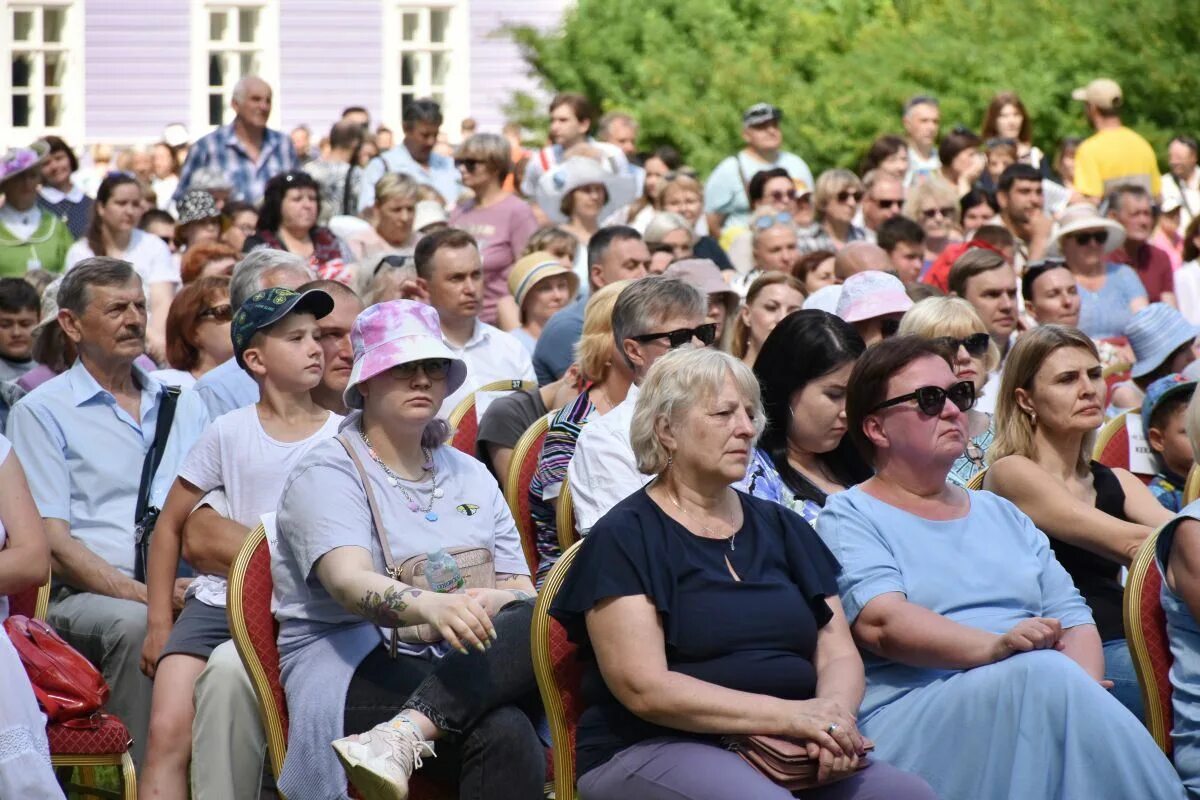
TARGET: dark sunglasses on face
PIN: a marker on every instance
(469, 164)
(706, 333)
(221, 313)
(1087, 237)
(846, 194)
(930, 213)
(976, 344)
(932, 399)
(889, 203)
(434, 368)
(779, 197)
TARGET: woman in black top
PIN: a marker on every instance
(703, 611)
(1051, 402)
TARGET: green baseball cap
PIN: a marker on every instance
(267, 307)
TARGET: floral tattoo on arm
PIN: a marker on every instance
(390, 608)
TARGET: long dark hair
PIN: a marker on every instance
(95, 236)
(803, 347)
(270, 217)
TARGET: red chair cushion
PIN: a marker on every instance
(112, 737)
(1110, 382)
(1116, 452)
(466, 432)
(24, 602)
(568, 678)
(1154, 630)
(524, 518)
(261, 624)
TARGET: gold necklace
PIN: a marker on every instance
(711, 533)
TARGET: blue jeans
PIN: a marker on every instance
(1118, 668)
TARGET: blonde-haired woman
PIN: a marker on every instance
(771, 297)
(606, 379)
(836, 198)
(953, 322)
(396, 197)
(1051, 403)
(681, 193)
(933, 203)
(670, 238)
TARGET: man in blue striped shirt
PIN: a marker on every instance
(246, 150)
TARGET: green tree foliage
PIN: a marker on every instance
(841, 69)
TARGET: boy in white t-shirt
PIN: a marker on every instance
(248, 453)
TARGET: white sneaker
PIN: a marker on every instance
(379, 762)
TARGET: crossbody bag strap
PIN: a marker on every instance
(376, 517)
(162, 429)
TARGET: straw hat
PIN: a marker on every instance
(1084, 217)
(534, 268)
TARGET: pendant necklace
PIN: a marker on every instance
(711, 533)
(396, 482)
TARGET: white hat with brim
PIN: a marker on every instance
(19, 160)
(580, 171)
(428, 212)
(1084, 217)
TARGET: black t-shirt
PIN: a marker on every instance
(505, 420)
(756, 635)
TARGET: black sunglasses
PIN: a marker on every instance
(706, 333)
(221, 313)
(846, 194)
(930, 213)
(976, 344)
(1087, 237)
(434, 368)
(469, 164)
(393, 262)
(932, 399)
(889, 202)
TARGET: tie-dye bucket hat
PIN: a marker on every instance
(393, 333)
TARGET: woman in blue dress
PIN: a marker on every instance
(983, 664)
(804, 455)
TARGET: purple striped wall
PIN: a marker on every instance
(497, 69)
(137, 68)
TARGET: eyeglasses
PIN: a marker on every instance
(434, 368)
(885, 202)
(976, 344)
(706, 333)
(779, 197)
(932, 399)
(766, 221)
(846, 194)
(221, 313)
(945, 211)
(393, 262)
(1087, 237)
(469, 164)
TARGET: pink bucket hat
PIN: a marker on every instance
(393, 333)
(871, 294)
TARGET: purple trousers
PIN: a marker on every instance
(682, 769)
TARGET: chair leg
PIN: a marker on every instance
(128, 777)
(87, 777)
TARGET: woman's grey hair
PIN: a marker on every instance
(680, 380)
(650, 300)
(248, 274)
(490, 148)
(73, 292)
(666, 222)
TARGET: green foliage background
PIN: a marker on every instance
(841, 69)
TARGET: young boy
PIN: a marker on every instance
(1163, 418)
(20, 309)
(248, 453)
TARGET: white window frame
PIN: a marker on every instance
(457, 88)
(268, 44)
(72, 93)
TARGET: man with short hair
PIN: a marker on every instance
(904, 242)
(571, 117)
(984, 279)
(449, 267)
(859, 257)
(82, 438)
(1132, 206)
(334, 331)
(415, 157)
(1113, 155)
(245, 151)
(357, 115)
(650, 318)
(1182, 184)
(922, 120)
(333, 170)
(1050, 293)
(615, 253)
(774, 245)
(1019, 194)
(725, 198)
(620, 130)
(883, 198)
(301, 138)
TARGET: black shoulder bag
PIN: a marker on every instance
(145, 515)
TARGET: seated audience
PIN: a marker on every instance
(19, 310)
(31, 237)
(1132, 207)
(540, 286)
(723, 301)
(288, 221)
(836, 199)
(933, 203)
(1164, 423)
(704, 612)
(815, 270)
(1050, 293)
(883, 199)
(1051, 403)
(197, 332)
(681, 193)
(508, 416)
(1109, 293)
(983, 278)
(770, 298)
(333, 593)
(873, 302)
(1162, 343)
(981, 658)
(771, 191)
(670, 238)
(904, 242)
(204, 260)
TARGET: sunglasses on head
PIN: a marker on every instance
(770, 220)
(706, 333)
(221, 313)
(392, 262)
(976, 344)
(434, 368)
(1087, 237)
(945, 211)
(847, 194)
(932, 399)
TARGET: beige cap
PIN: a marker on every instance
(1103, 93)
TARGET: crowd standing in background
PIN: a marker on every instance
(827, 437)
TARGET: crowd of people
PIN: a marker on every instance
(772, 394)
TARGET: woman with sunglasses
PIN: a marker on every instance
(933, 203)
(382, 696)
(197, 331)
(772, 192)
(499, 220)
(953, 323)
(1051, 403)
(983, 664)
(1109, 293)
(836, 200)
(288, 221)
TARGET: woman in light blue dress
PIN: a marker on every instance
(984, 668)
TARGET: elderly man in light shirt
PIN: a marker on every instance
(82, 437)
(652, 316)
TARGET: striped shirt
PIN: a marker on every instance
(223, 150)
(557, 449)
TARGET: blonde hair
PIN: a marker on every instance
(1014, 428)
(934, 317)
(664, 223)
(396, 185)
(490, 148)
(1192, 423)
(678, 381)
(679, 182)
(740, 343)
(935, 188)
(829, 184)
(594, 350)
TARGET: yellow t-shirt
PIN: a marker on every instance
(1113, 157)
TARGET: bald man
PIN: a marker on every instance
(859, 257)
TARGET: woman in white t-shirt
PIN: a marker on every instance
(113, 232)
(1187, 277)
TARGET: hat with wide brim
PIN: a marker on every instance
(428, 212)
(580, 171)
(397, 332)
(1154, 333)
(534, 268)
(1084, 217)
(19, 160)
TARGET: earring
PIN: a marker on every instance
(670, 460)
(1033, 418)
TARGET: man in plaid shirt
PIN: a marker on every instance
(246, 150)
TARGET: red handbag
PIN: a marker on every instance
(66, 684)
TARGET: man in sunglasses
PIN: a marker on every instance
(882, 200)
(1022, 209)
(1133, 208)
(651, 317)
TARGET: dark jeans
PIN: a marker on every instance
(491, 749)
